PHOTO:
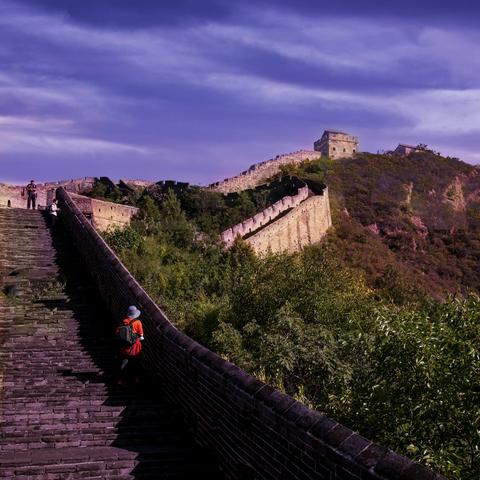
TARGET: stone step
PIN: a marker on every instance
(62, 414)
(105, 463)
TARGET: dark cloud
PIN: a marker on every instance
(135, 14)
(419, 11)
(144, 13)
(89, 87)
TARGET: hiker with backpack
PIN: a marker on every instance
(130, 337)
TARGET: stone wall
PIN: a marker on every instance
(260, 172)
(104, 215)
(264, 217)
(337, 144)
(138, 183)
(305, 225)
(45, 191)
(256, 431)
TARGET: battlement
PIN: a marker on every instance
(335, 144)
(14, 196)
(173, 184)
(260, 172)
(266, 216)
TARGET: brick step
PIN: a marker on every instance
(59, 416)
(105, 463)
(94, 439)
(62, 415)
(95, 431)
(71, 421)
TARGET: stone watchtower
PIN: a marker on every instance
(334, 144)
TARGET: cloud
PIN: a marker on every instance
(40, 143)
(226, 86)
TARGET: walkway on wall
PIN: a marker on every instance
(61, 414)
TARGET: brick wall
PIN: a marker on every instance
(260, 219)
(260, 172)
(45, 191)
(305, 224)
(256, 431)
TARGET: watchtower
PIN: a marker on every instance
(335, 144)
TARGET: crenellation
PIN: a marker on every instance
(301, 226)
(334, 144)
(260, 172)
(261, 219)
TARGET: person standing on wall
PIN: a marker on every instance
(31, 190)
(53, 212)
(130, 337)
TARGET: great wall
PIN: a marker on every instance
(14, 195)
(262, 171)
(288, 225)
(198, 415)
(308, 218)
(104, 215)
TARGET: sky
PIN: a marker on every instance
(199, 90)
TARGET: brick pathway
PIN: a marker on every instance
(61, 414)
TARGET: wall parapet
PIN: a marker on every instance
(261, 171)
(265, 216)
(256, 431)
(104, 214)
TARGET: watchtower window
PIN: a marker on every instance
(334, 149)
(344, 149)
(354, 151)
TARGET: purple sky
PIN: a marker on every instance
(199, 90)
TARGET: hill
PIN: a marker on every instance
(413, 220)
(344, 325)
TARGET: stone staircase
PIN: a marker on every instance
(62, 416)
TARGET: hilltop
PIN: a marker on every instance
(350, 325)
(412, 221)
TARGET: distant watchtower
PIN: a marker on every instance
(334, 144)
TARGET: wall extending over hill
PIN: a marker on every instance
(256, 431)
(260, 172)
(264, 217)
(288, 225)
(304, 225)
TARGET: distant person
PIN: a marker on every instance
(53, 212)
(31, 190)
(130, 337)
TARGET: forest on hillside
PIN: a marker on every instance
(377, 326)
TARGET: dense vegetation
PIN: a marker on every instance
(417, 216)
(341, 325)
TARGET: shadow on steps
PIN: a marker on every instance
(146, 425)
